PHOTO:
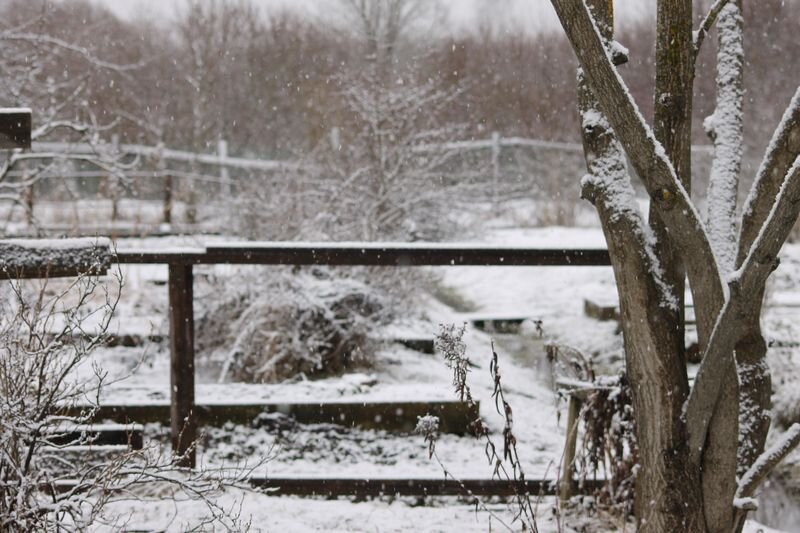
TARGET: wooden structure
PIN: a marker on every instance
(15, 128)
(184, 415)
(454, 416)
(34, 259)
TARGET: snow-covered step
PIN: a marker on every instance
(499, 322)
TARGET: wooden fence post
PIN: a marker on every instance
(113, 182)
(181, 334)
(495, 166)
(28, 195)
(161, 167)
(567, 484)
(224, 176)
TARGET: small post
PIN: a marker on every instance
(181, 334)
(222, 152)
(495, 166)
(161, 168)
(567, 485)
(29, 195)
(113, 185)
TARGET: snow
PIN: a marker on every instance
(15, 110)
(20, 254)
(58, 244)
(725, 127)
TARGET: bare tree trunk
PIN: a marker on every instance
(673, 125)
(668, 496)
(688, 440)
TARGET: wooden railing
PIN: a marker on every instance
(182, 261)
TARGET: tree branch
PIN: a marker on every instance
(724, 126)
(647, 156)
(733, 319)
(708, 22)
(781, 153)
(768, 461)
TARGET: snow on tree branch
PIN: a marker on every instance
(744, 283)
(708, 23)
(781, 153)
(724, 127)
(646, 154)
(767, 461)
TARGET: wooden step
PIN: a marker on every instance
(332, 487)
(421, 344)
(377, 487)
(602, 311)
(498, 323)
(454, 416)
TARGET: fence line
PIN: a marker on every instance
(221, 158)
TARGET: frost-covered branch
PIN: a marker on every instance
(37, 39)
(646, 154)
(708, 23)
(748, 280)
(780, 155)
(767, 461)
(724, 127)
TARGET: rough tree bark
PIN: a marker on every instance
(688, 439)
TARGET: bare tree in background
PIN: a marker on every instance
(701, 449)
(33, 54)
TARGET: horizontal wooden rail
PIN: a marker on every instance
(185, 414)
(369, 254)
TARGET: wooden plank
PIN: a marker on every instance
(378, 487)
(419, 344)
(370, 254)
(332, 487)
(501, 324)
(401, 254)
(599, 311)
(183, 422)
(454, 417)
(567, 481)
(15, 128)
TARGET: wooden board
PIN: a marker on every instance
(454, 416)
(332, 487)
(15, 128)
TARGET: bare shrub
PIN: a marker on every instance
(52, 476)
(309, 322)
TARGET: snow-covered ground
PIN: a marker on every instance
(553, 295)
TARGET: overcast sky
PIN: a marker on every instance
(531, 14)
